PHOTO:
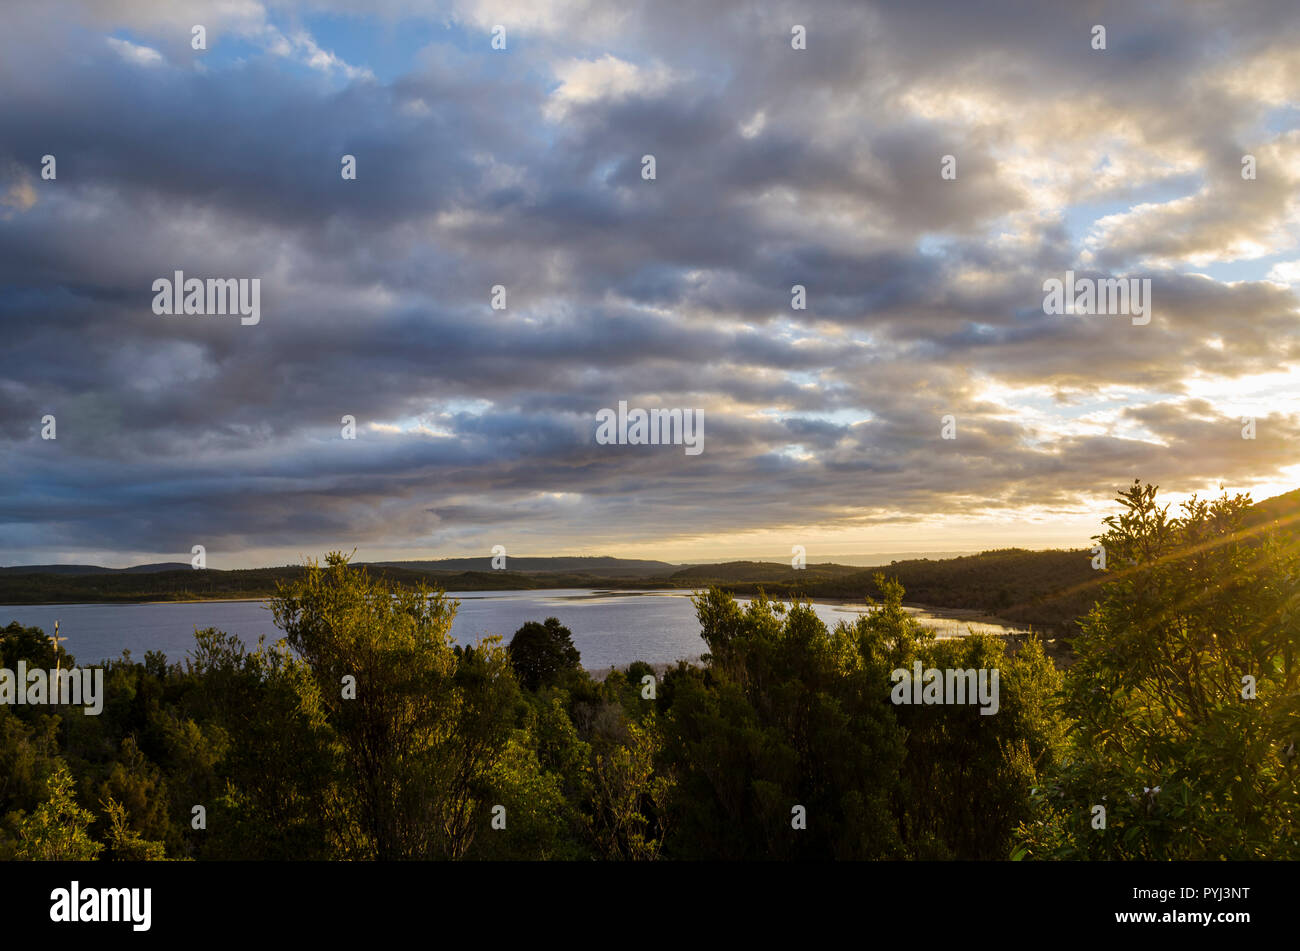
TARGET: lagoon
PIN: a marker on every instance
(610, 628)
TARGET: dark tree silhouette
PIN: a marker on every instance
(540, 652)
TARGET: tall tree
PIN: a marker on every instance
(1183, 705)
(539, 653)
(418, 724)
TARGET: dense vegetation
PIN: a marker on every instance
(1184, 706)
(366, 734)
(1043, 589)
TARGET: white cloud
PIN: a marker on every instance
(564, 18)
(134, 53)
(755, 125)
(1285, 272)
(302, 46)
(583, 81)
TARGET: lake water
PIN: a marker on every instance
(610, 628)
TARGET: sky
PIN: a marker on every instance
(522, 167)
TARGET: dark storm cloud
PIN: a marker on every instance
(774, 168)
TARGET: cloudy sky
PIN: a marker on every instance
(522, 167)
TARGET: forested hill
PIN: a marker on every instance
(214, 584)
(1281, 511)
(1046, 589)
(761, 571)
(93, 569)
(595, 567)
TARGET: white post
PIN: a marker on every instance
(58, 661)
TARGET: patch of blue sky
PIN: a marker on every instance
(392, 48)
(1045, 405)
(796, 451)
(1082, 216)
(602, 173)
(933, 245)
(228, 51)
(791, 331)
(804, 377)
(231, 51)
(388, 48)
(472, 407)
(452, 407)
(1246, 270)
(1080, 219)
(1282, 119)
(836, 417)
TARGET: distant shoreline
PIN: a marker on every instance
(127, 604)
(1012, 588)
(955, 614)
